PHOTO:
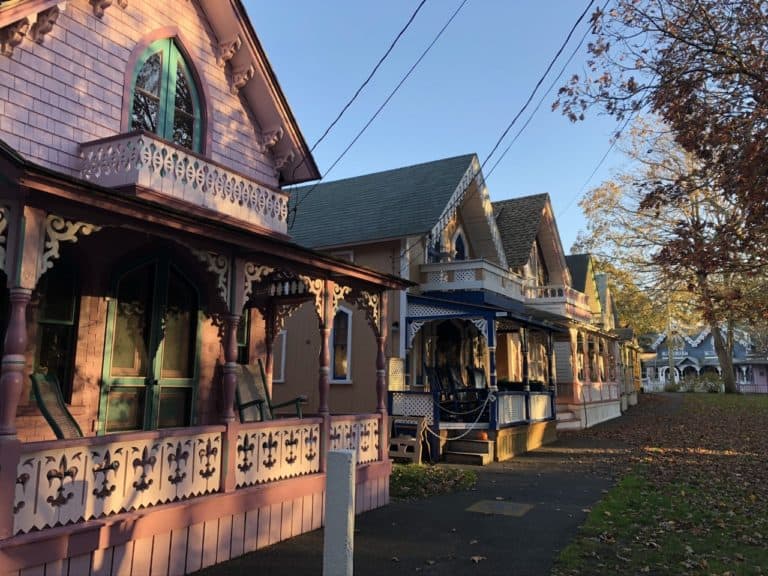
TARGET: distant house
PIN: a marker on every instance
(693, 358)
(478, 344)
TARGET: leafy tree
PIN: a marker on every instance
(700, 66)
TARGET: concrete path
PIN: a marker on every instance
(521, 514)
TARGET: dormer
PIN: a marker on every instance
(172, 101)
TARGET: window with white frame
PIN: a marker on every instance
(278, 357)
(341, 346)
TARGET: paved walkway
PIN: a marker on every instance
(521, 514)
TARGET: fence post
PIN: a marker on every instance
(339, 533)
(10, 452)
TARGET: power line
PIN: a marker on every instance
(543, 97)
(363, 85)
(379, 110)
(540, 82)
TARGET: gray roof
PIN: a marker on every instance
(391, 204)
(578, 264)
(518, 222)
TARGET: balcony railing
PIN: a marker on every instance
(471, 275)
(560, 299)
(141, 159)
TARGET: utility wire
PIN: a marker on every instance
(363, 85)
(379, 110)
(543, 97)
(540, 82)
(524, 107)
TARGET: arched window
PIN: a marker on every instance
(341, 346)
(460, 251)
(164, 98)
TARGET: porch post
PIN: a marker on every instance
(381, 380)
(550, 364)
(324, 380)
(573, 346)
(587, 360)
(524, 350)
(492, 352)
(229, 379)
(11, 382)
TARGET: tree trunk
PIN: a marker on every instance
(725, 358)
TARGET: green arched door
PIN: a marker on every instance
(151, 349)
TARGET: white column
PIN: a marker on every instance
(338, 537)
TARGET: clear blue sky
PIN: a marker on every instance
(458, 100)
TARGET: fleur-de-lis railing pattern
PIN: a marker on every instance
(269, 451)
(358, 433)
(92, 477)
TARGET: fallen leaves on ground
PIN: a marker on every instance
(693, 492)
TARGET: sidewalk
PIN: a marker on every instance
(521, 514)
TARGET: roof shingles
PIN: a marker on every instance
(518, 222)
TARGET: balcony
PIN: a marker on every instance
(561, 300)
(139, 159)
(471, 275)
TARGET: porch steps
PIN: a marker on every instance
(466, 451)
(567, 420)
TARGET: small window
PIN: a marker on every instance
(57, 325)
(341, 344)
(244, 337)
(459, 250)
(165, 99)
(278, 357)
(347, 255)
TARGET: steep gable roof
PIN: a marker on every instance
(395, 203)
(518, 221)
(578, 264)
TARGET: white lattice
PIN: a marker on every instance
(511, 408)
(272, 451)
(396, 373)
(464, 275)
(90, 478)
(413, 404)
(142, 160)
(437, 277)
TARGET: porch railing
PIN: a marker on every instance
(276, 450)
(471, 275)
(67, 481)
(560, 299)
(64, 482)
(142, 159)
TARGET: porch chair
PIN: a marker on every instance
(408, 435)
(252, 396)
(49, 399)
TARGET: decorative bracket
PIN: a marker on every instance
(218, 265)
(413, 329)
(370, 304)
(58, 230)
(284, 160)
(316, 287)
(226, 50)
(338, 293)
(240, 77)
(12, 35)
(269, 139)
(4, 214)
(44, 23)
(254, 273)
(100, 5)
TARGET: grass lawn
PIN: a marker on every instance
(416, 481)
(695, 501)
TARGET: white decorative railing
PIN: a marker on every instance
(511, 407)
(276, 450)
(471, 275)
(561, 299)
(69, 481)
(358, 433)
(141, 159)
(541, 406)
(407, 403)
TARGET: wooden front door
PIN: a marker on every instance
(151, 350)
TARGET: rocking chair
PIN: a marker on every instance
(252, 396)
(49, 399)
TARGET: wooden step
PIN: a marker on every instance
(471, 446)
(569, 424)
(471, 458)
(565, 415)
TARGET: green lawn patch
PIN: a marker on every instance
(695, 503)
(416, 481)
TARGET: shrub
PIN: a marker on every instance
(672, 387)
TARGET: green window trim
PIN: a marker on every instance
(164, 97)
